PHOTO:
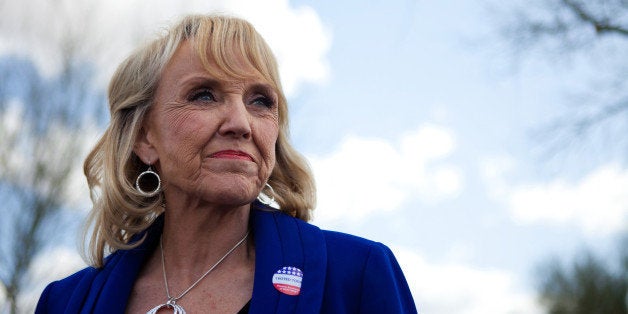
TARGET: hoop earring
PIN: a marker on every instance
(153, 179)
(264, 198)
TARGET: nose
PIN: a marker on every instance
(236, 120)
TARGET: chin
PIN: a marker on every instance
(227, 190)
(232, 195)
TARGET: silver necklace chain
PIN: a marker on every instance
(173, 300)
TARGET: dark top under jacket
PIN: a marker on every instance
(341, 273)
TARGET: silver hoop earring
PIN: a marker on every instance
(150, 178)
(265, 199)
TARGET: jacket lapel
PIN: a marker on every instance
(110, 290)
(283, 241)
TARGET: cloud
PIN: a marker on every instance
(76, 195)
(456, 288)
(297, 35)
(367, 175)
(104, 32)
(597, 203)
(65, 261)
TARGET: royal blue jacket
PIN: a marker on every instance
(341, 273)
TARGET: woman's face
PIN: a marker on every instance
(212, 140)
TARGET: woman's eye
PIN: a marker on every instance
(263, 101)
(202, 95)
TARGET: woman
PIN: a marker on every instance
(198, 130)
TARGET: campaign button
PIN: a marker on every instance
(287, 280)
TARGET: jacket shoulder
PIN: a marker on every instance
(363, 276)
(348, 255)
(339, 240)
(56, 296)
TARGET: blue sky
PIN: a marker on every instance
(417, 121)
(399, 66)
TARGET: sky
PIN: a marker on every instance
(418, 123)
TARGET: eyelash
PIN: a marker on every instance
(265, 101)
(202, 93)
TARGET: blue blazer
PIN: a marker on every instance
(341, 273)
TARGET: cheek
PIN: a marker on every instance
(267, 140)
(182, 122)
(182, 137)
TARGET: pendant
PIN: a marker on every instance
(178, 309)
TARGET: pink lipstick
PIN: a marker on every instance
(231, 154)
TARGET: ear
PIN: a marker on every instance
(144, 147)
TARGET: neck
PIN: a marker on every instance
(195, 237)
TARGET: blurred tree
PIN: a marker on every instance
(41, 144)
(44, 119)
(595, 33)
(596, 30)
(588, 286)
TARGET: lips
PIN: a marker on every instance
(231, 154)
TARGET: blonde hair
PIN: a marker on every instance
(119, 211)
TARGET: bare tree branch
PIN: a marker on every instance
(585, 123)
(582, 29)
(601, 25)
(44, 130)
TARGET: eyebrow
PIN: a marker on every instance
(196, 79)
(264, 87)
(207, 79)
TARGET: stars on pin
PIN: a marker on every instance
(289, 270)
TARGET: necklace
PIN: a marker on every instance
(172, 301)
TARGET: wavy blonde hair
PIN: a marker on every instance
(119, 211)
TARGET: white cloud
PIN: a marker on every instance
(493, 170)
(104, 32)
(66, 262)
(49, 266)
(456, 288)
(298, 37)
(76, 195)
(597, 203)
(368, 175)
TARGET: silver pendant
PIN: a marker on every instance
(178, 309)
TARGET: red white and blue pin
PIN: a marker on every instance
(287, 280)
